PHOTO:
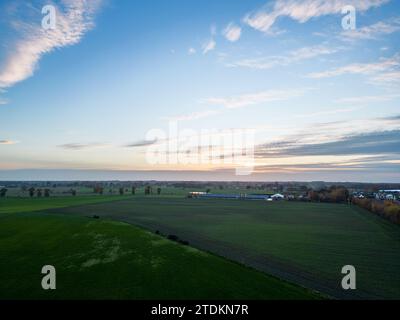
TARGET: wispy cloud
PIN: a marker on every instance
(370, 144)
(373, 31)
(368, 99)
(209, 46)
(232, 32)
(8, 142)
(74, 19)
(374, 163)
(285, 60)
(383, 65)
(325, 113)
(239, 101)
(81, 146)
(254, 98)
(366, 136)
(303, 10)
(393, 118)
(374, 143)
(142, 143)
(194, 115)
(3, 101)
(387, 78)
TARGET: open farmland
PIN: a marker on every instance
(98, 259)
(306, 243)
(18, 205)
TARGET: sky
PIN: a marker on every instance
(178, 90)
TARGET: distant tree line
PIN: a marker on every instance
(39, 192)
(149, 190)
(97, 189)
(333, 195)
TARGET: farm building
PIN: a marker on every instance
(242, 196)
(219, 196)
(278, 196)
(196, 194)
(256, 197)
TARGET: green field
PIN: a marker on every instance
(306, 243)
(100, 259)
(25, 204)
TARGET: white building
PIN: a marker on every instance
(278, 196)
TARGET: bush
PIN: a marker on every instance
(3, 192)
(173, 237)
(386, 209)
(392, 212)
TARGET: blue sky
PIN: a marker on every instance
(323, 102)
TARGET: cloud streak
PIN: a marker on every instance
(387, 78)
(7, 142)
(375, 143)
(374, 164)
(373, 31)
(194, 115)
(254, 98)
(303, 10)
(383, 65)
(325, 113)
(80, 146)
(239, 101)
(368, 99)
(3, 101)
(294, 56)
(379, 136)
(232, 32)
(142, 143)
(209, 46)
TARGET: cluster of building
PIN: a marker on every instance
(380, 195)
(242, 196)
(388, 195)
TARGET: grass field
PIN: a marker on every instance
(306, 243)
(99, 259)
